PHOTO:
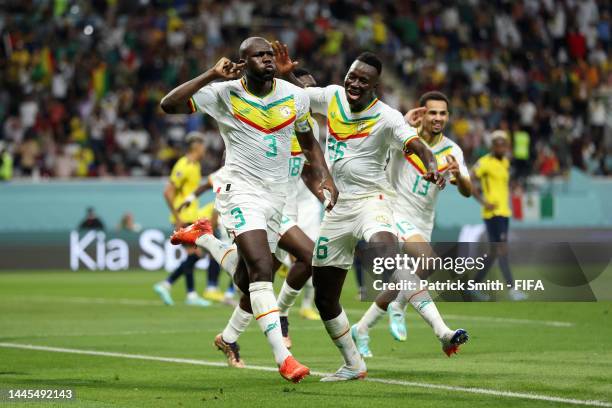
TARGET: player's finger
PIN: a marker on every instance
(451, 159)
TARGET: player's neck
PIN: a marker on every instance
(191, 157)
(258, 87)
(361, 106)
(429, 138)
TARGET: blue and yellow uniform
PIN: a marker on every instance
(494, 176)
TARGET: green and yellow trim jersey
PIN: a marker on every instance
(257, 131)
(358, 142)
(416, 198)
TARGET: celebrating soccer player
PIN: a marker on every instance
(257, 115)
(361, 130)
(414, 211)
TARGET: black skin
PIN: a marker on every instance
(258, 63)
(360, 85)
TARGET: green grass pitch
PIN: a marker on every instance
(557, 351)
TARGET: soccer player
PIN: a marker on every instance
(493, 174)
(257, 115)
(184, 179)
(297, 213)
(414, 211)
(360, 131)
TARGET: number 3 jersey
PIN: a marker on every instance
(257, 131)
(358, 142)
(416, 198)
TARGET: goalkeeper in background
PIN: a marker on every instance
(184, 180)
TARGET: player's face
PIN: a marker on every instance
(500, 147)
(199, 150)
(260, 60)
(308, 81)
(360, 83)
(436, 117)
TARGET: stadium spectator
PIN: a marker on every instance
(89, 76)
(91, 221)
(127, 223)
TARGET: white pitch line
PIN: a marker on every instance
(144, 302)
(483, 391)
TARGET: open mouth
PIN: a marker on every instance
(353, 94)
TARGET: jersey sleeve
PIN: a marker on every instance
(458, 155)
(302, 114)
(399, 131)
(208, 99)
(319, 98)
(177, 175)
(480, 168)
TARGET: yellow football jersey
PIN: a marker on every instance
(494, 175)
(186, 177)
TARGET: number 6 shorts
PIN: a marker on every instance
(351, 220)
(247, 210)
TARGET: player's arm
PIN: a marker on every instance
(477, 173)
(314, 155)
(462, 181)
(177, 100)
(198, 192)
(169, 195)
(416, 146)
(284, 64)
(311, 182)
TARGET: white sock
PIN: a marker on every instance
(308, 298)
(192, 295)
(421, 302)
(339, 330)
(211, 288)
(236, 325)
(286, 298)
(370, 318)
(226, 255)
(265, 311)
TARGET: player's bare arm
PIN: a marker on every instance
(169, 194)
(476, 192)
(177, 100)
(463, 183)
(416, 146)
(314, 155)
(284, 64)
(198, 192)
(311, 182)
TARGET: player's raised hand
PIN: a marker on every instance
(226, 69)
(414, 117)
(433, 176)
(284, 64)
(330, 192)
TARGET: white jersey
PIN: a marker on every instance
(416, 198)
(257, 131)
(358, 142)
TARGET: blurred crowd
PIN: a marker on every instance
(81, 81)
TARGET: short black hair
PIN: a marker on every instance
(434, 96)
(300, 72)
(371, 59)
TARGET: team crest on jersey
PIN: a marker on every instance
(265, 118)
(341, 127)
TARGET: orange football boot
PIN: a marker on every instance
(292, 370)
(188, 235)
